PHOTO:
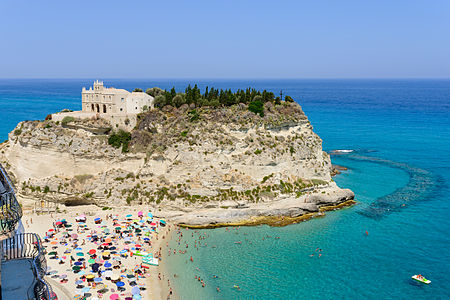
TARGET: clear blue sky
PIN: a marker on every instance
(225, 39)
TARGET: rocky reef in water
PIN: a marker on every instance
(196, 166)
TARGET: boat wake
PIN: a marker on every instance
(421, 185)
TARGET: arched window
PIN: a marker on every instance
(92, 107)
(98, 108)
(104, 108)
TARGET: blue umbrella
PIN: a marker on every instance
(97, 219)
(98, 279)
(77, 263)
(128, 216)
(150, 215)
(135, 290)
(86, 290)
(79, 249)
(120, 283)
(78, 282)
(107, 265)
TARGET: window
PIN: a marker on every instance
(121, 109)
(122, 99)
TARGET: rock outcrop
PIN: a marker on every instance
(196, 166)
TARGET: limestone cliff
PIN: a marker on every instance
(197, 166)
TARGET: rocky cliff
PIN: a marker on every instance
(197, 166)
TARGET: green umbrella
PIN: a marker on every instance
(80, 254)
(52, 253)
(76, 268)
(91, 261)
(118, 228)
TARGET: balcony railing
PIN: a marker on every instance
(29, 246)
(10, 212)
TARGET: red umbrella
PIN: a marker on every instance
(138, 246)
(58, 223)
(153, 223)
(92, 251)
(105, 244)
(51, 229)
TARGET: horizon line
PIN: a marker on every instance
(226, 78)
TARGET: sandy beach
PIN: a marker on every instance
(64, 252)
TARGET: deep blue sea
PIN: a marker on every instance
(399, 171)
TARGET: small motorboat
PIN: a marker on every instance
(420, 278)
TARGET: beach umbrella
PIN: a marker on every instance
(108, 273)
(52, 253)
(95, 267)
(129, 216)
(54, 243)
(76, 268)
(90, 276)
(97, 219)
(120, 283)
(107, 265)
(92, 251)
(98, 279)
(91, 261)
(135, 290)
(51, 229)
(82, 272)
(78, 249)
(63, 276)
(137, 297)
(86, 290)
(114, 297)
(74, 235)
(78, 282)
(80, 254)
(140, 213)
(78, 263)
(108, 240)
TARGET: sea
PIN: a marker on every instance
(397, 140)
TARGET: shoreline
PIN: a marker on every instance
(274, 221)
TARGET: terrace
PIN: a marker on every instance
(23, 267)
(10, 211)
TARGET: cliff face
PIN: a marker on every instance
(180, 161)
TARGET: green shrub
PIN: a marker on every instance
(67, 119)
(46, 189)
(256, 107)
(184, 133)
(194, 115)
(18, 132)
(288, 99)
(120, 139)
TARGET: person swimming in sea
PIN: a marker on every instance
(217, 288)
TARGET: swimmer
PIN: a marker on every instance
(217, 288)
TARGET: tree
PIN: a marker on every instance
(138, 90)
(160, 101)
(156, 91)
(178, 100)
(288, 99)
(256, 107)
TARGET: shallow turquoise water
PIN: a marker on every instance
(400, 131)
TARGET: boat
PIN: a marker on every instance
(420, 278)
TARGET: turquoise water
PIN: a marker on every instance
(399, 173)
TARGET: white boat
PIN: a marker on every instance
(420, 278)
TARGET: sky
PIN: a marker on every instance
(225, 39)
